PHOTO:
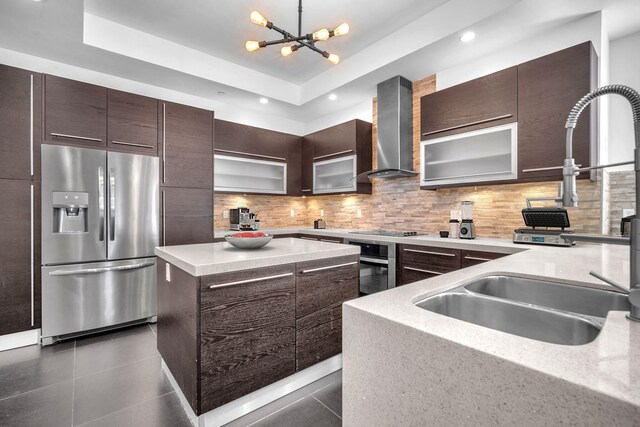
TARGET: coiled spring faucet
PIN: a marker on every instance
(569, 195)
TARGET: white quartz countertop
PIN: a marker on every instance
(212, 258)
(609, 365)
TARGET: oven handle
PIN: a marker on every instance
(375, 261)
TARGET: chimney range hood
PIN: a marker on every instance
(395, 130)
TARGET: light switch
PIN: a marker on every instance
(167, 273)
(321, 212)
(225, 214)
(359, 213)
(292, 213)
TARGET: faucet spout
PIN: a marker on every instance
(570, 171)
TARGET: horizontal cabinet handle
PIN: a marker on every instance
(307, 189)
(330, 241)
(423, 271)
(101, 270)
(133, 144)
(478, 122)
(311, 270)
(81, 138)
(262, 156)
(333, 154)
(257, 279)
(475, 258)
(374, 261)
(308, 238)
(430, 253)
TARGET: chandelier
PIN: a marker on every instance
(302, 40)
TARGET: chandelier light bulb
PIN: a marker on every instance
(334, 59)
(258, 19)
(322, 34)
(288, 50)
(341, 30)
(252, 45)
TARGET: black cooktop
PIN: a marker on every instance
(387, 233)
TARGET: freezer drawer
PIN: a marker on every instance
(83, 297)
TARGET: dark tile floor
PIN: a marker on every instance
(115, 379)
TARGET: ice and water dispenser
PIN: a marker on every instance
(70, 212)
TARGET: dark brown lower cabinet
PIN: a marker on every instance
(186, 216)
(19, 227)
(229, 334)
(470, 258)
(247, 332)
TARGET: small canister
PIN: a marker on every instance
(454, 228)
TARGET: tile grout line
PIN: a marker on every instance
(326, 407)
(73, 384)
(275, 412)
(115, 367)
(125, 409)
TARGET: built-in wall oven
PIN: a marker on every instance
(377, 265)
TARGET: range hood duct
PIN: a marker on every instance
(395, 130)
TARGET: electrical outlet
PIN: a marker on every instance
(359, 213)
(292, 213)
(321, 212)
(167, 273)
(628, 212)
(225, 214)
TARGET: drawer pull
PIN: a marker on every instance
(306, 190)
(257, 279)
(311, 270)
(308, 238)
(132, 144)
(479, 122)
(430, 253)
(81, 138)
(333, 154)
(475, 258)
(242, 153)
(423, 271)
(330, 241)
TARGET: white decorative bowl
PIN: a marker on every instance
(248, 242)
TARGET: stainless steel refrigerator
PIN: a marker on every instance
(99, 230)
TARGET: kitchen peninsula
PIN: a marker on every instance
(240, 328)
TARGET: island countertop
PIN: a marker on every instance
(212, 258)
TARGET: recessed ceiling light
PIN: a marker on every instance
(333, 97)
(467, 36)
(264, 101)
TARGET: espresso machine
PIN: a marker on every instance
(467, 228)
(243, 219)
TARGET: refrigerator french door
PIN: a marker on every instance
(100, 225)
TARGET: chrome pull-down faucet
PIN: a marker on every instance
(570, 196)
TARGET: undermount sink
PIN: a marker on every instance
(536, 309)
(576, 299)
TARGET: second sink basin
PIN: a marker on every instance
(576, 299)
(517, 319)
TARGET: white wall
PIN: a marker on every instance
(624, 69)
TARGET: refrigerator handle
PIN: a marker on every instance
(112, 204)
(101, 202)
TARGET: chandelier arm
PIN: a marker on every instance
(315, 49)
(285, 40)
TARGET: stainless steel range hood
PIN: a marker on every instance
(395, 130)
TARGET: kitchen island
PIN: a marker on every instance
(404, 365)
(238, 329)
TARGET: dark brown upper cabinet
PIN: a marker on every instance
(484, 102)
(240, 140)
(306, 167)
(548, 87)
(132, 123)
(20, 121)
(352, 138)
(19, 227)
(75, 113)
(294, 165)
(186, 146)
